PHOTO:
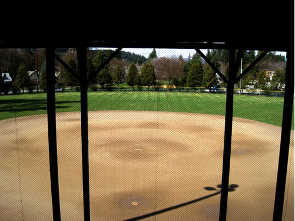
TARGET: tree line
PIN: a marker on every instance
(178, 72)
(136, 70)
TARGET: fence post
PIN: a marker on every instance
(82, 59)
(285, 138)
(50, 81)
(227, 135)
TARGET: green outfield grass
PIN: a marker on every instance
(259, 108)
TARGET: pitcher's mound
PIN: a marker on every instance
(141, 162)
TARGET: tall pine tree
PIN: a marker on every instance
(118, 76)
(69, 79)
(153, 54)
(22, 78)
(132, 75)
(148, 77)
(195, 74)
(104, 77)
(210, 78)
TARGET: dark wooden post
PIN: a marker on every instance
(50, 70)
(227, 135)
(285, 138)
(82, 59)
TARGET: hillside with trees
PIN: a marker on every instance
(132, 57)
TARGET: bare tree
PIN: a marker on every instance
(168, 69)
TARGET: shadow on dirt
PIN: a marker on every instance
(231, 188)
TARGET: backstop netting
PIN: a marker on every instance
(156, 121)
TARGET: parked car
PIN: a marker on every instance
(59, 89)
(216, 87)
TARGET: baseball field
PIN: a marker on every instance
(153, 156)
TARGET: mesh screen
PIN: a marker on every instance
(146, 161)
(254, 163)
(24, 158)
(288, 212)
(256, 143)
(70, 161)
(68, 121)
(156, 134)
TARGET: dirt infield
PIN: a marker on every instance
(142, 162)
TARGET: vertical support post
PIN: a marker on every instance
(82, 59)
(285, 138)
(50, 70)
(227, 135)
(37, 68)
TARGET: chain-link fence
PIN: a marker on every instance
(156, 135)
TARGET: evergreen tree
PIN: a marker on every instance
(278, 79)
(210, 78)
(186, 68)
(182, 81)
(248, 57)
(69, 79)
(118, 76)
(226, 74)
(191, 80)
(176, 82)
(262, 80)
(195, 75)
(272, 56)
(153, 54)
(90, 69)
(148, 77)
(43, 83)
(218, 56)
(104, 77)
(28, 58)
(224, 55)
(132, 74)
(131, 57)
(22, 78)
(138, 81)
(195, 59)
(180, 58)
(100, 57)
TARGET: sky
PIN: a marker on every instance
(164, 52)
(168, 52)
(161, 52)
